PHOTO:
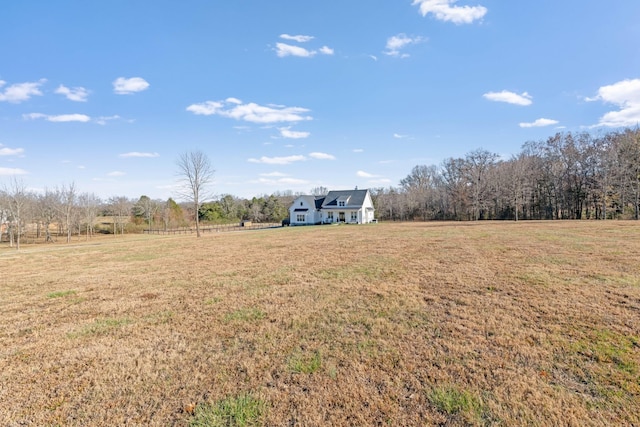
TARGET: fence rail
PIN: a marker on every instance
(214, 228)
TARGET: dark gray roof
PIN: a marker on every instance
(313, 200)
(355, 198)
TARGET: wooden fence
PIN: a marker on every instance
(215, 228)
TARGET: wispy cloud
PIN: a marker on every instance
(251, 112)
(286, 132)
(139, 154)
(509, 97)
(445, 10)
(400, 136)
(625, 95)
(539, 123)
(278, 160)
(358, 150)
(285, 49)
(12, 171)
(78, 94)
(6, 151)
(299, 38)
(116, 173)
(396, 43)
(20, 92)
(363, 174)
(322, 156)
(127, 86)
(104, 119)
(326, 50)
(58, 118)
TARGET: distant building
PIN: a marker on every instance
(346, 206)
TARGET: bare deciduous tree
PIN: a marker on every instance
(195, 175)
(17, 200)
(66, 206)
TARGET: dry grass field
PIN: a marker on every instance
(530, 323)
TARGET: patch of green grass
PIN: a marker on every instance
(245, 315)
(61, 294)
(100, 327)
(213, 300)
(305, 363)
(607, 347)
(454, 401)
(242, 410)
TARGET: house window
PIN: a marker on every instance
(341, 203)
(354, 216)
(300, 217)
(300, 203)
(330, 216)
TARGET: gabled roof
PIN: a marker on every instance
(353, 198)
(315, 201)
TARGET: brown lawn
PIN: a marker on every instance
(530, 323)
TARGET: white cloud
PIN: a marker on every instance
(78, 94)
(322, 156)
(625, 95)
(444, 10)
(539, 123)
(6, 151)
(509, 97)
(116, 173)
(139, 154)
(396, 43)
(250, 112)
(20, 92)
(104, 119)
(287, 133)
(274, 174)
(12, 171)
(278, 160)
(325, 50)
(283, 49)
(363, 174)
(399, 136)
(299, 38)
(59, 118)
(124, 86)
(358, 150)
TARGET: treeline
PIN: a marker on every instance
(568, 176)
(62, 212)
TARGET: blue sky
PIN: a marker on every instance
(291, 95)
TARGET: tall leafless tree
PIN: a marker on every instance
(66, 205)
(89, 204)
(195, 176)
(17, 201)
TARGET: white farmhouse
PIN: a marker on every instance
(347, 206)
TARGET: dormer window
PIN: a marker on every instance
(300, 203)
(341, 203)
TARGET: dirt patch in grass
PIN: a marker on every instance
(531, 323)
